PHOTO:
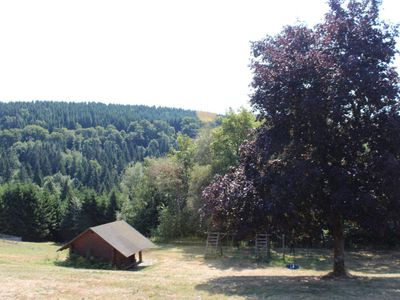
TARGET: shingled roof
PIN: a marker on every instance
(121, 236)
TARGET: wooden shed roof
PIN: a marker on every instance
(121, 236)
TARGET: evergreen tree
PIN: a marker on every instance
(92, 213)
(112, 207)
(69, 225)
(28, 213)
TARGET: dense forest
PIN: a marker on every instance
(89, 142)
(72, 115)
(67, 166)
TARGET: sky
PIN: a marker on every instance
(176, 53)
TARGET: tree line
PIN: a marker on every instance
(57, 183)
(74, 115)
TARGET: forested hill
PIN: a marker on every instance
(91, 143)
(71, 115)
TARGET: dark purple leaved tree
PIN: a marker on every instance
(328, 151)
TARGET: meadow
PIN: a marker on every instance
(180, 271)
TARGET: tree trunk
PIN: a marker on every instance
(339, 269)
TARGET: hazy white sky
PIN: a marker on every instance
(189, 54)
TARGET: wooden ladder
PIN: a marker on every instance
(213, 243)
(262, 245)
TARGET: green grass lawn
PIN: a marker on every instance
(178, 271)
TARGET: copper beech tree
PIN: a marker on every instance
(328, 150)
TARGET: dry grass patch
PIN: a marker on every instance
(30, 271)
(206, 116)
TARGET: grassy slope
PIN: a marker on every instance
(206, 116)
(29, 270)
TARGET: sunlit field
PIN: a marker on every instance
(175, 271)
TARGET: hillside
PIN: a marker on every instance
(56, 182)
(89, 142)
(73, 115)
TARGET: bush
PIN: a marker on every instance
(173, 224)
(78, 261)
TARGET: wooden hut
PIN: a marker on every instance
(116, 243)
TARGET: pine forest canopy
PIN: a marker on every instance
(90, 142)
(73, 115)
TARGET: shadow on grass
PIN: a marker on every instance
(232, 258)
(239, 258)
(302, 287)
(375, 262)
(372, 262)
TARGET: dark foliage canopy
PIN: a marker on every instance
(329, 98)
(234, 204)
(328, 152)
